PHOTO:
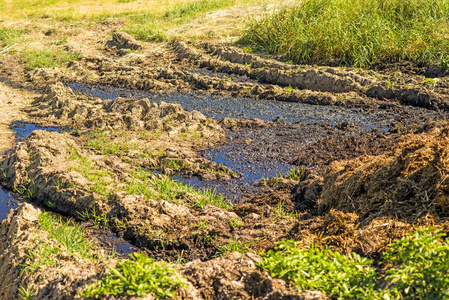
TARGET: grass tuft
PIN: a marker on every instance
(46, 58)
(354, 32)
(137, 277)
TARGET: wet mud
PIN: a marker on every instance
(346, 158)
(7, 202)
(23, 129)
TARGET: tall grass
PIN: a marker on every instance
(354, 32)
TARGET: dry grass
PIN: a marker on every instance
(408, 184)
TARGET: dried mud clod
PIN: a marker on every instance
(122, 41)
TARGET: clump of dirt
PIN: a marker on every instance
(60, 104)
(408, 183)
(235, 275)
(122, 41)
(21, 238)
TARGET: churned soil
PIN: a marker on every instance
(332, 156)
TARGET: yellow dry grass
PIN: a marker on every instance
(408, 184)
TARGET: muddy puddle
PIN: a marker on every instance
(219, 107)
(266, 152)
(23, 129)
(7, 202)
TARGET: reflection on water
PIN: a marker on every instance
(7, 202)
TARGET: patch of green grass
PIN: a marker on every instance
(102, 142)
(234, 245)
(419, 265)
(295, 173)
(41, 255)
(67, 233)
(8, 36)
(444, 63)
(416, 267)
(46, 58)
(323, 270)
(137, 277)
(101, 181)
(145, 26)
(97, 220)
(354, 32)
(191, 9)
(70, 238)
(235, 222)
(145, 183)
(26, 293)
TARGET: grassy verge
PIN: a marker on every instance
(354, 32)
(416, 268)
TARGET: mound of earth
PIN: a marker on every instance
(21, 237)
(408, 183)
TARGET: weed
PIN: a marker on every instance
(419, 265)
(70, 235)
(202, 225)
(26, 293)
(139, 276)
(389, 84)
(430, 82)
(444, 63)
(295, 173)
(289, 89)
(4, 172)
(97, 220)
(26, 191)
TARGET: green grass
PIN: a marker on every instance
(354, 32)
(414, 267)
(192, 9)
(234, 245)
(67, 233)
(46, 58)
(69, 237)
(8, 36)
(137, 277)
(144, 183)
(420, 265)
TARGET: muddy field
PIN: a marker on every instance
(180, 150)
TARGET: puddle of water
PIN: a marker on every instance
(7, 202)
(218, 107)
(251, 173)
(122, 246)
(24, 129)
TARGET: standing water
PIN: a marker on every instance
(7, 202)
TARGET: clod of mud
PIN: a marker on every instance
(122, 41)
(235, 276)
(20, 235)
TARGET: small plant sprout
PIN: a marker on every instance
(235, 222)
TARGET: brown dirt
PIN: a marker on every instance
(361, 188)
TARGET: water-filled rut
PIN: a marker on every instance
(258, 153)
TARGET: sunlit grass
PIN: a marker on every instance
(354, 32)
